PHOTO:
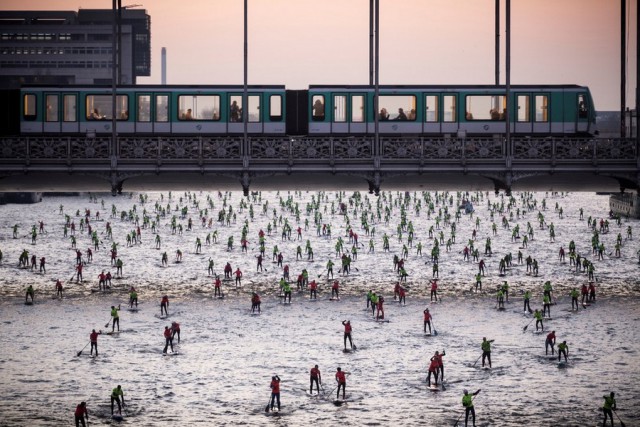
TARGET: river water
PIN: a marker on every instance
(224, 363)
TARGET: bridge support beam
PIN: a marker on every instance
(245, 180)
(374, 184)
(116, 185)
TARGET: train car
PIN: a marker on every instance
(564, 110)
(152, 109)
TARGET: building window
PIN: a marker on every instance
(199, 107)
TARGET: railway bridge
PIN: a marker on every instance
(147, 163)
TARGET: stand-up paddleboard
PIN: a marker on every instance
(334, 299)
(348, 350)
(433, 387)
(133, 310)
(255, 313)
(28, 303)
(562, 364)
(113, 332)
(340, 402)
(117, 418)
(173, 353)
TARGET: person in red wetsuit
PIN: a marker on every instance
(592, 292)
(402, 295)
(434, 290)
(227, 271)
(175, 330)
(440, 364)
(79, 273)
(335, 289)
(347, 333)
(168, 340)
(238, 274)
(550, 342)
(275, 391)
(164, 305)
(341, 379)
(255, 303)
(313, 290)
(434, 366)
(93, 338)
(427, 320)
(80, 414)
(396, 291)
(380, 312)
(315, 377)
(217, 290)
(102, 281)
(58, 288)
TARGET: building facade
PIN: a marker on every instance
(67, 47)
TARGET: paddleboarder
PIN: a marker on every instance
(467, 402)
(133, 297)
(164, 305)
(80, 414)
(427, 320)
(341, 379)
(175, 330)
(335, 290)
(115, 318)
(255, 303)
(550, 342)
(486, 351)
(58, 288)
(117, 396)
(93, 338)
(563, 349)
(316, 377)
(29, 294)
(168, 340)
(538, 316)
(347, 333)
(608, 407)
(275, 391)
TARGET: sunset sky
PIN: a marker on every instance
(302, 42)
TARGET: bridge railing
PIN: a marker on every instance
(199, 150)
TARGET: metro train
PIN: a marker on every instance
(273, 110)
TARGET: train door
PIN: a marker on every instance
(160, 111)
(522, 120)
(142, 116)
(358, 122)
(273, 118)
(51, 113)
(432, 114)
(449, 113)
(541, 113)
(29, 121)
(339, 122)
(70, 122)
(255, 123)
(582, 113)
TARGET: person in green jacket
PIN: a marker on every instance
(287, 292)
(467, 402)
(116, 395)
(574, 298)
(538, 316)
(563, 349)
(486, 351)
(608, 407)
(527, 297)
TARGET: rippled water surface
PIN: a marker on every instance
(226, 357)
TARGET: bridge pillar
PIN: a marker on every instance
(116, 185)
(245, 180)
(374, 184)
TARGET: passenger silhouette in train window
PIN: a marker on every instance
(401, 115)
(96, 115)
(188, 115)
(235, 112)
(318, 110)
(384, 115)
(582, 109)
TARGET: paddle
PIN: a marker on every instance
(266, 408)
(107, 325)
(621, 423)
(80, 352)
(474, 363)
(525, 328)
(435, 333)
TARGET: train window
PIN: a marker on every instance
(317, 102)
(339, 108)
(582, 106)
(542, 108)
(254, 108)
(69, 109)
(143, 110)
(357, 108)
(397, 107)
(199, 107)
(524, 115)
(485, 107)
(162, 108)
(99, 107)
(51, 102)
(235, 108)
(449, 108)
(275, 108)
(431, 108)
(29, 112)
